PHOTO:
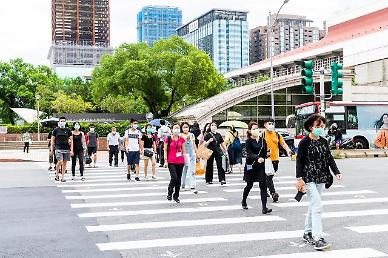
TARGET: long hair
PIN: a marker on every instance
(251, 124)
(379, 123)
(204, 128)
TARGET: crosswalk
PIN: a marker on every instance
(136, 216)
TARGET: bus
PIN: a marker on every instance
(357, 120)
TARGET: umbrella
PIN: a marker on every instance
(235, 124)
(49, 121)
(156, 122)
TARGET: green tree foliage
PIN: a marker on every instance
(123, 104)
(164, 76)
(70, 103)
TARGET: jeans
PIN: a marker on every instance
(313, 222)
(80, 155)
(270, 183)
(161, 152)
(209, 168)
(263, 192)
(114, 151)
(26, 147)
(175, 182)
(188, 174)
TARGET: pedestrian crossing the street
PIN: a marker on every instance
(139, 221)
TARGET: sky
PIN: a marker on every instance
(25, 25)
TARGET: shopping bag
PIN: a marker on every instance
(187, 159)
(199, 170)
(203, 152)
(269, 170)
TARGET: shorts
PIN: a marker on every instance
(92, 150)
(62, 155)
(133, 157)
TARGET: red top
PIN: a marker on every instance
(175, 155)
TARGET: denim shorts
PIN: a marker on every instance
(62, 155)
(133, 157)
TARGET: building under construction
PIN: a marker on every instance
(80, 34)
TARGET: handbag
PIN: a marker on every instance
(269, 170)
(88, 160)
(199, 170)
(148, 153)
(203, 152)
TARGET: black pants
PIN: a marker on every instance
(26, 147)
(263, 192)
(114, 151)
(209, 168)
(161, 153)
(270, 183)
(175, 182)
(80, 155)
(122, 155)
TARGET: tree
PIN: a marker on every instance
(65, 103)
(164, 76)
(18, 85)
(123, 104)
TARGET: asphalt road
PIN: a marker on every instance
(106, 216)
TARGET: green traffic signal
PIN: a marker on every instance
(336, 84)
(307, 80)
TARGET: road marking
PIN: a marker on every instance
(107, 196)
(370, 228)
(141, 244)
(114, 189)
(277, 188)
(358, 213)
(134, 203)
(60, 185)
(158, 211)
(345, 253)
(183, 223)
(334, 202)
(257, 197)
(243, 184)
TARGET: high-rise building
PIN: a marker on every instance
(289, 32)
(80, 36)
(223, 35)
(157, 22)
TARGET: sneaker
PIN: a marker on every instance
(154, 178)
(275, 197)
(137, 179)
(195, 191)
(146, 178)
(308, 238)
(128, 176)
(110, 164)
(63, 180)
(244, 205)
(73, 178)
(223, 182)
(57, 178)
(161, 166)
(82, 179)
(176, 199)
(266, 211)
(321, 244)
(169, 197)
(50, 168)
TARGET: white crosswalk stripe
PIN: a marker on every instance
(108, 196)
(114, 189)
(184, 223)
(335, 202)
(353, 213)
(370, 228)
(257, 197)
(239, 190)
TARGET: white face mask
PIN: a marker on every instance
(255, 132)
(271, 128)
(92, 130)
(176, 132)
(134, 126)
(77, 127)
(62, 124)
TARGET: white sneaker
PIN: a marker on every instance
(146, 178)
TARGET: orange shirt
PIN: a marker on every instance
(272, 140)
(382, 138)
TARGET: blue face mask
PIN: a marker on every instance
(319, 132)
(151, 131)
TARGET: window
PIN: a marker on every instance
(352, 119)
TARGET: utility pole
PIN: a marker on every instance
(322, 90)
(37, 115)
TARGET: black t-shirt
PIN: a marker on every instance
(215, 144)
(62, 136)
(148, 142)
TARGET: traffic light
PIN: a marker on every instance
(307, 80)
(336, 84)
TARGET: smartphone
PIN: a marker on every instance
(299, 195)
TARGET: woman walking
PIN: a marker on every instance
(313, 164)
(188, 175)
(79, 148)
(149, 151)
(215, 142)
(233, 145)
(174, 149)
(254, 170)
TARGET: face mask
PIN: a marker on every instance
(114, 132)
(176, 132)
(213, 128)
(255, 132)
(62, 124)
(319, 132)
(77, 127)
(134, 126)
(150, 131)
(92, 130)
(271, 128)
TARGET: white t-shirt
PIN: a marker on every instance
(133, 139)
(164, 132)
(113, 139)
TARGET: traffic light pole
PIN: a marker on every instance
(322, 90)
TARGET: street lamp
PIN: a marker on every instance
(37, 96)
(271, 24)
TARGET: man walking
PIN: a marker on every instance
(62, 140)
(133, 145)
(113, 143)
(273, 140)
(27, 140)
(92, 144)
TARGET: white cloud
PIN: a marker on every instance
(25, 29)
